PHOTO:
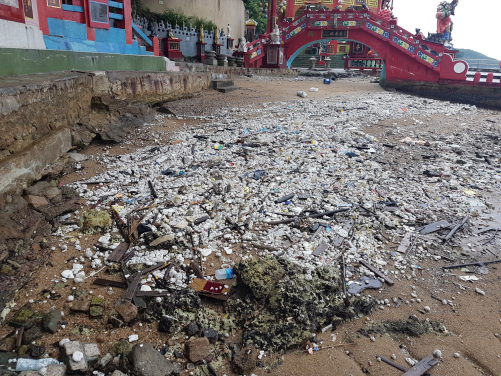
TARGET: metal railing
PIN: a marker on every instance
(483, 64)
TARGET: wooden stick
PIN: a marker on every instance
(377, 272)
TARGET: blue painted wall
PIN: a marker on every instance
(72, 36)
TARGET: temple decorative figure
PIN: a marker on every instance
(444, 23)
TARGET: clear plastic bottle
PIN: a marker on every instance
(225, 273)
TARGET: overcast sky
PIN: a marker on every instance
(476, 23)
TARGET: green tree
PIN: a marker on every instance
(253, 7)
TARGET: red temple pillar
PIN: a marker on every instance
(128, 22)
(272, 15)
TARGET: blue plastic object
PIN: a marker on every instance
(327, 81)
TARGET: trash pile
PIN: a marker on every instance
(283, 218)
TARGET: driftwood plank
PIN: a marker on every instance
(421, 367)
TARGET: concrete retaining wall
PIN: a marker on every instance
(36, 111)
(27, 164)
(16, 61)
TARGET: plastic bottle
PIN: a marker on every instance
(34, 364)
(225, 273)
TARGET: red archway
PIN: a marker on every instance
(406, 56)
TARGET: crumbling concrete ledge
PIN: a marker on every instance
(26, 165)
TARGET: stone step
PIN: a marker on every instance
(227, 89)
(218, 84)
(223, 86)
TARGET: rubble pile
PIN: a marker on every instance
(291, 306)
(283, 214)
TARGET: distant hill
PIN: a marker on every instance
(466, 54)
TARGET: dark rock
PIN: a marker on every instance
(81, 137)
(53, 194)
(8, 344)
(22, 351)
(122, 347)
(192, 330)
(147, 361)
(36, 351)
(5, 357)
(127, 311)
(115, 320)
(245, 360)
(37, 189)
(51, 321)
(198, 349)
(279, 288)
(166, 325)
(36, 201)
(95, 222)
(31, 335)
(80, 306)
(96, 312)
(25, 318)
(211, 335)
(65, 207)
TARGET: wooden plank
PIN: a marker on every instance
(338, 240)
(319, 230)
(406, 243)
(391, 363)
(151, 294)
(109, 282)
(433, 227)
(377, 272)
(128, 256)
(118, 252)
(131, 290)
(320, 249)
(422, 367)
(20, 337)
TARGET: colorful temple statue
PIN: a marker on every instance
(444, 24)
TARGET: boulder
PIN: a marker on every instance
(166, 325)
(211, 334)
(36, 201)
(244, 362)
(75, 364)
(95, 221)
(51, 321)
(76, 157)
(37, 189)
(198, 349)
(8, 344)
(25, 318)
(81, 137)
(36, 351)
(147, 361)
(122, 347)
(127, 311)
(192, 330)
(56, 370)
(52, 193)
(32, 334)
(91, 351)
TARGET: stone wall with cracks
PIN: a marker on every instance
(35, 108)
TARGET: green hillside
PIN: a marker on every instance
(466, 54)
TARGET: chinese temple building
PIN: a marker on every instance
(343, 54)
(75, 25)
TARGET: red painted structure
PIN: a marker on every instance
(11, 13)
(406, 57)
(78, 11)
